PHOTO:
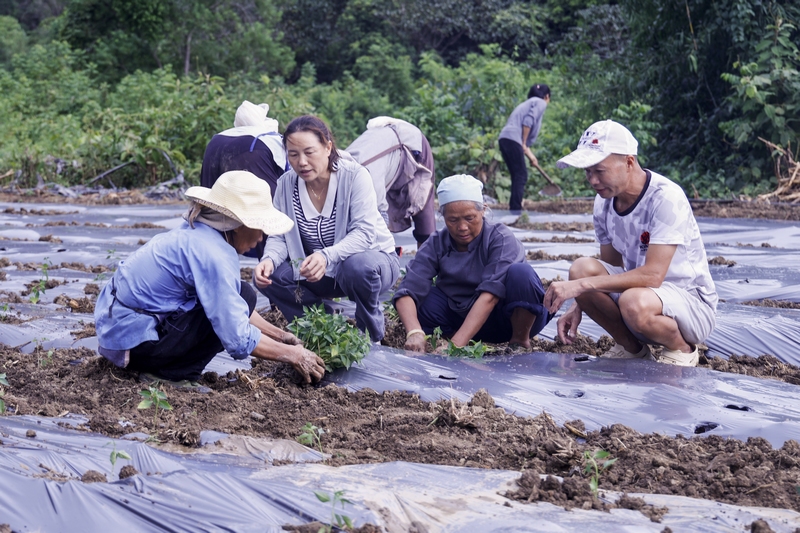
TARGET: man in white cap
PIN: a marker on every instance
(483, 290)
(179, 300)
(652, 284)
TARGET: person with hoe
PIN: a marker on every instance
(340, 245)
(252, 144)
(178, 300)
(399, 158)
(470, 278)
(651, 284)
(518, 135)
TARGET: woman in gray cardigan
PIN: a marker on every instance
(340, 245)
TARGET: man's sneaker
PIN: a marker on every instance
(146, 377)
(677, 357)
(618, 352)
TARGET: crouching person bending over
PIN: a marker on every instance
(652, 284)
(179, 300)
(470, 278)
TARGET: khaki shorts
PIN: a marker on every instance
(696, 319)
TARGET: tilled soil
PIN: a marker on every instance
(368, 427)
(766, 302)
(709, 208)
(701, 208)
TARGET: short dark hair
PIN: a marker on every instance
(316, 126)
(539, 90)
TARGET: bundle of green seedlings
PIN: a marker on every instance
(330, 336)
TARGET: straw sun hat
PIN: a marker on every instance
(245, 197)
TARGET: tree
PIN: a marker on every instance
(681, 49)
(214, 37)
(12, 39)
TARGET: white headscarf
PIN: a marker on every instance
(250, 114)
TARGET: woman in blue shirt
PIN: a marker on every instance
(179, 300)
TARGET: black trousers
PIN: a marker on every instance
(515, 161)
(186, 343)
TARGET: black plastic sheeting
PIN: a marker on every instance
(230, 486)
(647, 396)
(211, 491)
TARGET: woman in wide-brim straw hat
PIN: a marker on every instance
(483, 290)
(179, 300)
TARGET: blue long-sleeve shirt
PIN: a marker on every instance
(175, 271)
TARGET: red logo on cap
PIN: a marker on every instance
(595, 141)
(645, 237)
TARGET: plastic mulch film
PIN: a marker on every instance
(213, 491)
(646, 396)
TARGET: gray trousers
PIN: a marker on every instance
(362, 278)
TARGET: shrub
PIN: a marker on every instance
(330, 336)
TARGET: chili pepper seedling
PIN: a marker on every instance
(153, 397)
(337, 520)
(591, 466)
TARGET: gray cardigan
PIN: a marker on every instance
(359, 226)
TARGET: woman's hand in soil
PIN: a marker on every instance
(290, 338)
(313, 267)
(262, 273)
(567, 325)
(416, 342)
(308, 364)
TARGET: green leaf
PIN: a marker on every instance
(324, 497)
(3, 380)
(145, 404)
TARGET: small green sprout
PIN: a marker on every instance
(434, 337)
(153, 397)
(117, 454)
(473, 350)
(592, 467)
(338, 521)
(311, 436)
(3, 381)
(38, 288)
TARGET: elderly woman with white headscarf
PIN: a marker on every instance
(178, 300)
(483, 290)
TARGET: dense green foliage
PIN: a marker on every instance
(90, 85)
(330, 336)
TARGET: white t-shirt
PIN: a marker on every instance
(661, 215)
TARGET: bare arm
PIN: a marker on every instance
(305, 362)
(476, 318)
(273, 331)
(407, 309)
(651, 274)
(527, 149)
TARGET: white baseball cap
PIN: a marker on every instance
(599, 141)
